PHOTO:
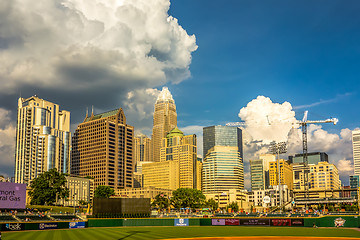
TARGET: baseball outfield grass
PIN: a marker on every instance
(128, 233)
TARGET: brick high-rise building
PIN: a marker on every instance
(103, 149)
(42, 139)
(165, 119)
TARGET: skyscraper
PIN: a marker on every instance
(165, 119)
(356, 151)
(286, 173)
(354, 183)
(222, 146)
(142, 148)
(222, 136)
(142, 154)
(178, 147)
(222, 170)
(42, 139)
(178, 166)
(324, 176)
(259, 171)
(103, 149)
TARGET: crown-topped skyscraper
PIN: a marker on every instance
(165, 119)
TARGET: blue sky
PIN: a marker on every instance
(113, 54)
(304, 52)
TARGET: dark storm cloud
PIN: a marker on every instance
(81, 53)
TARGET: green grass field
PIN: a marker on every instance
(119, 233)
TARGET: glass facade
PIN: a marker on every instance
(222, 136)
(354, 183)
(222, 170)
(257, 174)
(313, 158)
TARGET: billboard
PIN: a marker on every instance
(44, 226)
(217, 222)
(12, 195)
(225, 222)
(281, 222)
(13, 227)
(297, 222)
(77, 225)
(232, 222)
(255, 222)
(181, 222)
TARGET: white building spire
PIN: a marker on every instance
(165, 95)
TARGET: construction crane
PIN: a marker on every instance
(303, 123)
(235, 124)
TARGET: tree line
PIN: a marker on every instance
(50, 186)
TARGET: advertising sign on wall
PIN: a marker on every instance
(218, 222)
(12, 195)
(339, 222)
(255, 222)
(280, 222)
(297, 222)
(44, 226)
(13, 227)
(181, 222)
(77, 225)
(232, 222)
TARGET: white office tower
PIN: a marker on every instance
(42, 139)
(356, 151)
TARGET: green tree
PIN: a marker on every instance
(48, 187)
(234, 206)
(83, 202)
(104, 192)
(212, 204)
(161, 201)
(187, 198)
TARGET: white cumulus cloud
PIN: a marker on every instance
(78, 53)
(266, 121)
(77, 44)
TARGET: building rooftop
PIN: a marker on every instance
(102, 115)
(175, 132)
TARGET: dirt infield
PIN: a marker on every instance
(265, 238)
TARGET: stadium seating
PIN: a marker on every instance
(33, 217)
(7, 218)
(66, 217)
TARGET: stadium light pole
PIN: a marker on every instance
(277, 149)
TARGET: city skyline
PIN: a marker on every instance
(266, 61)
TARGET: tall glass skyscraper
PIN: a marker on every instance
(222, 136)
(222, 170)
(42, 139)
(223, 163)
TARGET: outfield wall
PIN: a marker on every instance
(21, 226)
(326, 221)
